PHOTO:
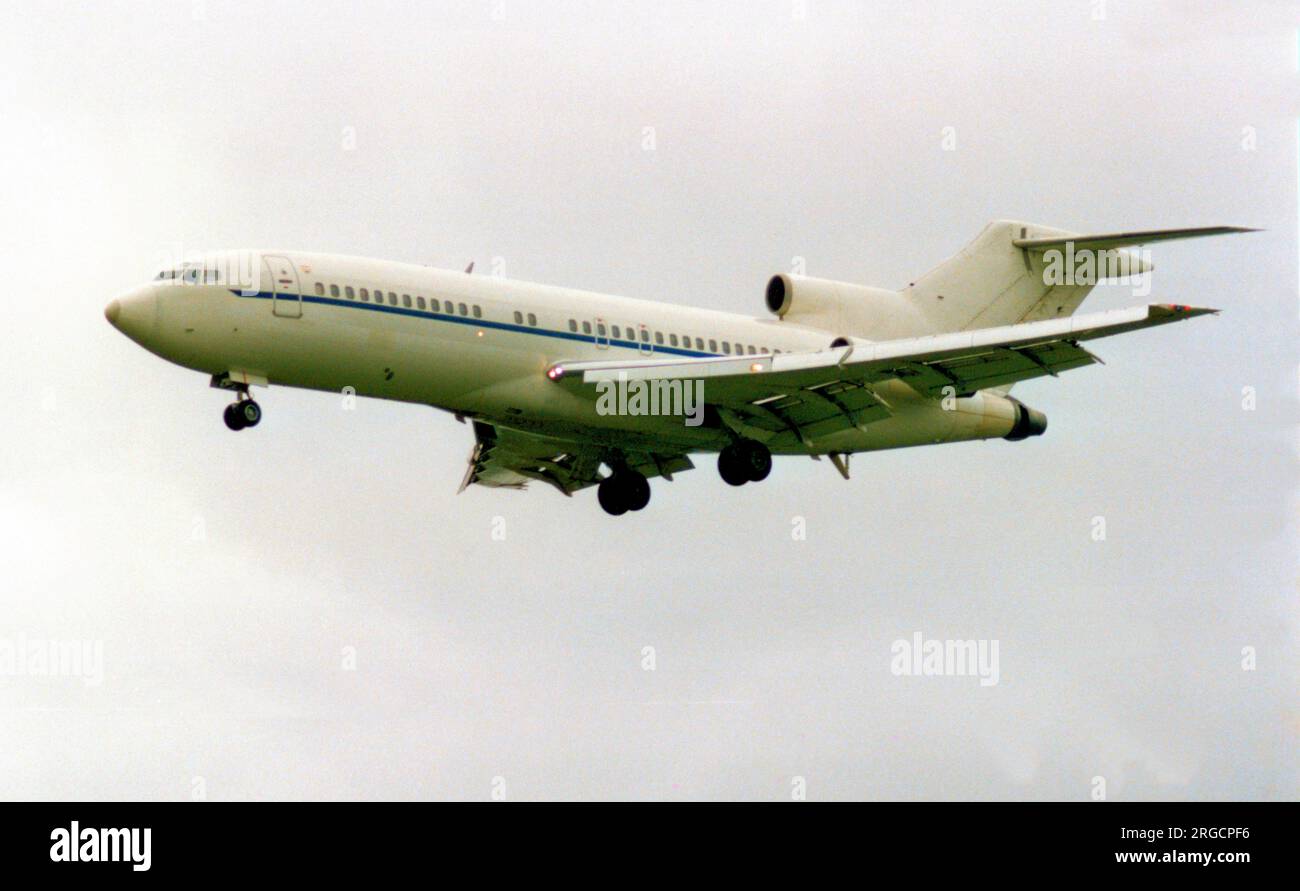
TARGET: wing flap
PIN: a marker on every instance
(503, 458)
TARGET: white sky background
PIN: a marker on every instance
(135, 133)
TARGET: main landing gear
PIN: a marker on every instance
(623, 490)
(241, 414)
(744, 461)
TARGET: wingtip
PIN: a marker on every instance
(1187, 311)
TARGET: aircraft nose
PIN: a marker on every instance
(135, 314)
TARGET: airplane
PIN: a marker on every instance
(577, 389)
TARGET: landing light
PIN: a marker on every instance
(757, 366)
(555, 372)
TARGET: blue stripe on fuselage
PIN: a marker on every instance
(467, 320)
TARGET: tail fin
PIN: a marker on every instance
(1011, 273)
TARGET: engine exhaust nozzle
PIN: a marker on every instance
(1029, 422)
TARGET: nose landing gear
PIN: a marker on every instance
(241, 414)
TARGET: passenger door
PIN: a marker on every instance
(286, 293)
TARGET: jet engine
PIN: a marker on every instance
(843, 308)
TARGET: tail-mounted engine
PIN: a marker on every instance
(843, 308)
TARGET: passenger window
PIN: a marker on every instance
(672, 340)
(392, 299)
(478, 312)
(573, 325)
(463, 310)
(614, 328)
(699, 343)
(645, 335)
(726, 348)
(659, 337)
(600, 329)
(586, 327)
(406, 300)
(365, 295)
(519, 317)
(334, 290)
(713, 345)
(532, 320)
(447, 307)
(349, 293)
(320, 290)
(419, 301)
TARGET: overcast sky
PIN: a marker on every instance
(225, 575)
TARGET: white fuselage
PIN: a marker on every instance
(480, 346)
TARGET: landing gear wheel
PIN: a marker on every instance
(732, 467)
(636, 490)
(231, 416)
(756, 459)
(611, 496)
(245, 413)
(622, 491)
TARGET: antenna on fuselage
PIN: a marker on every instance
(469, 268)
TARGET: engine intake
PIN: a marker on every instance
(779, 295)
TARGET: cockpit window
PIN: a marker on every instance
(190, 275)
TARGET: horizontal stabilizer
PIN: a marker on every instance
(1123, 239)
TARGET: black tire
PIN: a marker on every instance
(757, 459)
(612, 496)
(233, 419)
(249, 412)
(731, 468)
(636, 490)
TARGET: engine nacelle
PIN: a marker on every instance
(989, 415)
(843, 308)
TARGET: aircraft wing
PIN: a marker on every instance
(509, 459)
(790, 391)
